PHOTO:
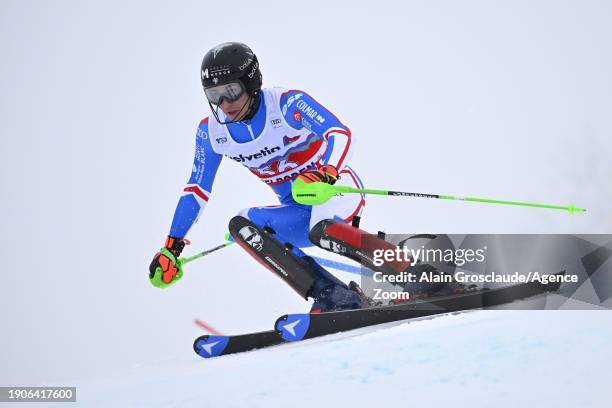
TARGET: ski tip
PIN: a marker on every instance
(293, 327)
(210, 346)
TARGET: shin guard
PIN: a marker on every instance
(274, 255)
(354, 243)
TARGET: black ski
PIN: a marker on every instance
(295, 327)
(213, 346)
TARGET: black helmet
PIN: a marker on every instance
(229, 62)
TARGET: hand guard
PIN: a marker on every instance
(326, 174)
(165, 268)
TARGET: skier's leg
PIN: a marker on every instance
(262, 233)
(355, 243)
(261, 244)
(359, 245)
(289, 225)
(341, 207)
(330, 230)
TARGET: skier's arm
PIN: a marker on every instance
(197, 191)
(303, 111)
(165, 269)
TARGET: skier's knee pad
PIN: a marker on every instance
(317, 231)
(339, 237)
(354, 243)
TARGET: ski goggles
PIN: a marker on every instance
(232, 92)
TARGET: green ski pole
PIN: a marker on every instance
(319, 193)
(156, 279)
(183, 261)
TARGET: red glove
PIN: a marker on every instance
(325, 174)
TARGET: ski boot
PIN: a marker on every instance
(425, 290)
(331, 294)
(371, 302)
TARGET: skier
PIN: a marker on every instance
(279, 135)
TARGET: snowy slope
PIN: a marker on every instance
(480, 358)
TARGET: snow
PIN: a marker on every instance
(481, 358)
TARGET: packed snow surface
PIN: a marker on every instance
(482, 358)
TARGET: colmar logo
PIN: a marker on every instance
(297, 116)
(309, 111)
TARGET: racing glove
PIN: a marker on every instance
(165, 269)
(326, 174)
